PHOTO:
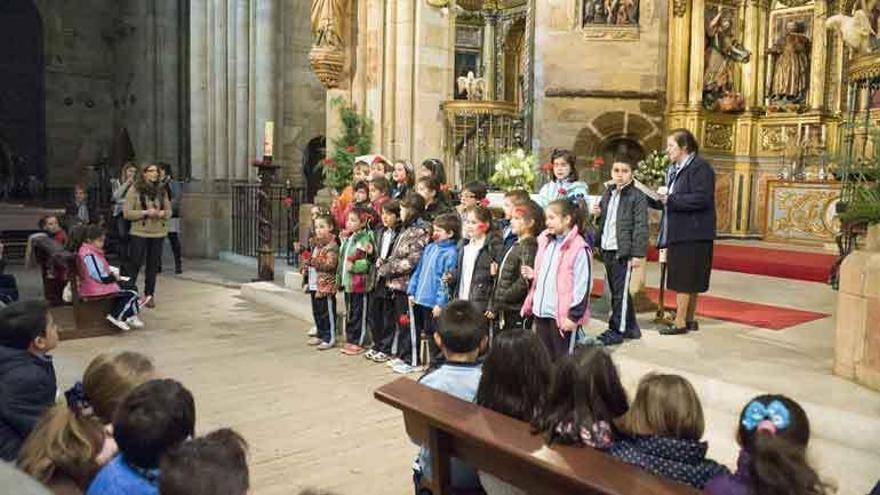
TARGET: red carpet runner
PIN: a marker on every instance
(782, 263)
(719, 308)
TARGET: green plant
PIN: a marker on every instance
(355, 140)
(864, 208)
(515, 170)
(651, 170)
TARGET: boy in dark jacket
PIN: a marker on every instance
(27, 376)
(382, 298)
(623, 236)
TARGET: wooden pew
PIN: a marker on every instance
(505, 447)
(85, 317)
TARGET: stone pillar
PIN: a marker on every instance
(265, 72)
(679, 53)
(698, 30)
(240, 81)
(816, 95)
(489, 51)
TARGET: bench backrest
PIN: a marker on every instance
(505, 447)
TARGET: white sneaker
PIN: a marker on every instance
(313, 332)
(405, 369)
(135, 322)
(394, 362)
(118, 323)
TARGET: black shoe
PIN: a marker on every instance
(673, 331)
(610, 337)
(693, 326)
(632, 335)
(178, 270)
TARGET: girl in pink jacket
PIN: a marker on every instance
(559, 295)
(97, 279)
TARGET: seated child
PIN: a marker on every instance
(773, 435)
(584, 401)
(516, 378)
(14, 481)
(75, 438)
(27, 376)
(461, 338)
(97, 278)
(661, 432)
(155, 417)
(215, 464)
(428, 292)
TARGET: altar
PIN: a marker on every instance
(801, 211)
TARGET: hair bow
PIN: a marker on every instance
(76, 398)
(772, 417)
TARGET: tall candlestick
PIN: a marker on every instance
(824, 143)
(268, 138)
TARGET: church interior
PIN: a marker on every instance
(258, 113)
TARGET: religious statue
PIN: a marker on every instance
(327, 22)
(722, 52)
(791, 73)
(856, 31)
(473, 87)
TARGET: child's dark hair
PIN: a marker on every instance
(415, 204)
(153, 418)
(361, 185)
(569, 158)
(77, 237)
(568, 208)
(483, 215)
(328, 219)
(381, 184)
(461, 327)
(408, 170)
(93, 232)
(477, 188)
(44, 220)
(531, 211)
(431, 183)
(392, 207)
(516, 375)
(775, 430)
(450, 222)
(518, 195)
(23, 321)
(364, 214)
(586, 389)
(215, 464)
(438, 171)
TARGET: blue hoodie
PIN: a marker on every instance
(425, 284)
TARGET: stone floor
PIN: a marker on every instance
(311, 420)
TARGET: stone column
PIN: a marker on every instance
(265, 72)
(489, 51)
(198, 76)
(239, 80)
(816, 95)
(698, 32)
(679, 53)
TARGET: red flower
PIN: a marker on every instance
(444, 187)
(547, 167)
(328, 161)
(349, 149)
(435, 236)
(288, 202)
(484, 202)
(403, 320)
(306, 255)
(562, 191)
(599, 162)
(483, 227)
(520, 211)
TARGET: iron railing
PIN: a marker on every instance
(285, 201)
(477, 133)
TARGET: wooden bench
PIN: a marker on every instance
(84, 317)
(505, 447)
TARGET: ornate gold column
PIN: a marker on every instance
(679, 54)
(816, 98)
(751, 75)
(698, 30)
(490, 14)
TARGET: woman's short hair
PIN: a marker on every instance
(685, 140)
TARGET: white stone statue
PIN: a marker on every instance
(855, 30)
(474, 87)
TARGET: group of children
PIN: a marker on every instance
(581, 401)
(122, 429)
(402, 253)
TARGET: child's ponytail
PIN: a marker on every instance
(774, 431)
(568, 208)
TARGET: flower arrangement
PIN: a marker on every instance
(651, 170)
(355, 140)
(515, 170)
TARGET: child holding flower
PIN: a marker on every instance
(565, 184)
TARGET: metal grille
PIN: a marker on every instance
(285, 219)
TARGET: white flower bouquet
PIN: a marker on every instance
(515, 170)
(651, 171)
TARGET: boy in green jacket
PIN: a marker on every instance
(355, 276)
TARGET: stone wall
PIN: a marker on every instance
(590, 90)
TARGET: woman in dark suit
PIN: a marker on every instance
(687, 230)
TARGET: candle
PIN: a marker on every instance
(807, 137)
(268, 135)
(800, 136)
(824, 128)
